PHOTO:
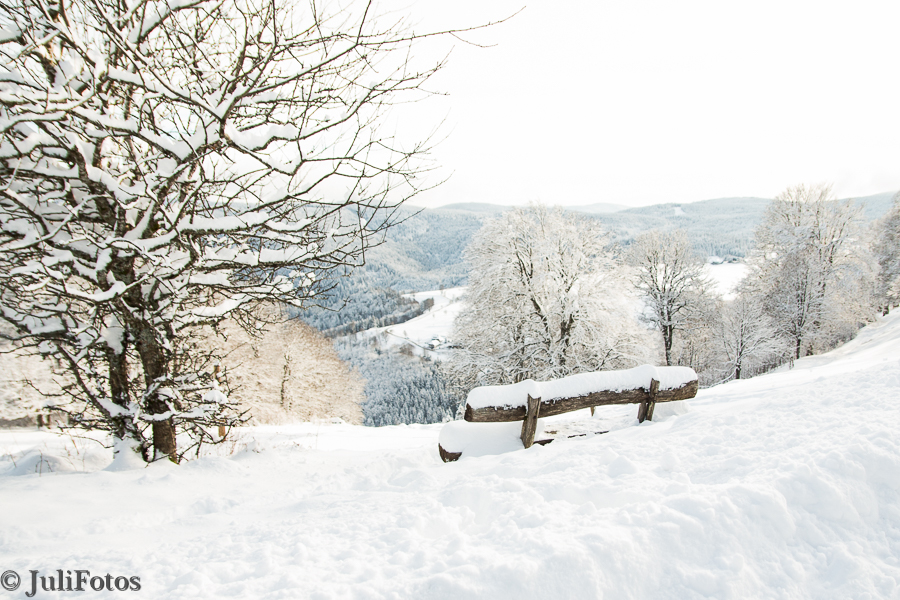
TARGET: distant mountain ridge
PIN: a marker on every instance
(874, 205)
(598, 208)
(473, 207)
(719, 226)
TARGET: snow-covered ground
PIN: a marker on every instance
(783, 486)
(726, 277)
(435, 324)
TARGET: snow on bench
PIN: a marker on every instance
(527, 400)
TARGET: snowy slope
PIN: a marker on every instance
(436, 322)
(783, 486)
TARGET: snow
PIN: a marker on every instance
(483, 439)
(726, 277)
(257, 138)
(124, 457)
(580, 385)
(784, 486)
(436, 322)
(113, 334)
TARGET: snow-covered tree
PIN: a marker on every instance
(887, 252)
(811, 268)
(670, 276)
(164, 165)
(747, 336)
(289, 372)
(546, 298)
(696, 343)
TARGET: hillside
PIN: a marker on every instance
(289, 372)
(783, 486)
(717, 227)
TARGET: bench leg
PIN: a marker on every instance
(645, 411)
(529, 425)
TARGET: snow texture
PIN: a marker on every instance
(483, 439)
(580, 385)
(785, 486)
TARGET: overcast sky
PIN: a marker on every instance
(641, 102)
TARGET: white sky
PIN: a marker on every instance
(641, 102)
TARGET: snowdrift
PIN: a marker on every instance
(783, 486)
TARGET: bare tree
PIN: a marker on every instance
(887, 252)
(546, 298)
(290, 372)
(747, 336)
(696, 342)
(671, 278)
(812, 269)
(165, 165)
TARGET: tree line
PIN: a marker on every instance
(550, 295)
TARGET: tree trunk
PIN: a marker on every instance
(155, 364)
(118, 387)
(154, 361)
(122, 267)
(164, 440)
(668, 332)
(123, 425)
(565, 332)
(285, 381)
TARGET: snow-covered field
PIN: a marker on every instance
(436, 322)
(726, 277)
(783, 486)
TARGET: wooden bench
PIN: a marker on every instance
(527, 401)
